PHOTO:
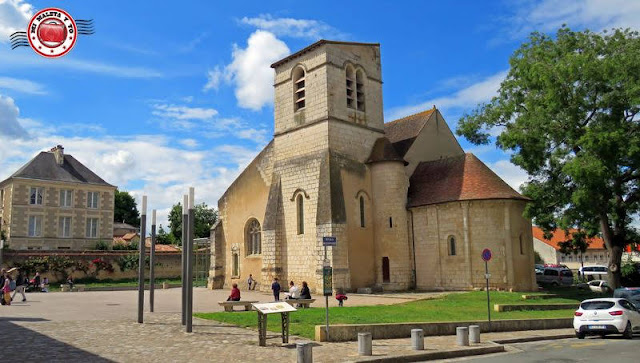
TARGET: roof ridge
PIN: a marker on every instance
(413, 115)
(317, 44)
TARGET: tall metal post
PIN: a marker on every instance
(152, 260)
(190, 262)
(185, 230)
(486, 274)
(326, 298)
(143, 232)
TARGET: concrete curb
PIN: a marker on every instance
(533, 339)
(444, 354)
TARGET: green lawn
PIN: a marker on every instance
(452, 307)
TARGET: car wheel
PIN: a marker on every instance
(555, 284)
(628, 333)
(579, 335)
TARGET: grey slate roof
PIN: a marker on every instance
(44, 167)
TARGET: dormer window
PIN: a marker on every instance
(298, 89)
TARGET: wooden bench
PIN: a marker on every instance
(302, 302)
(228, 305)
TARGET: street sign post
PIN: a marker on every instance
(327, 277)
(486, 256)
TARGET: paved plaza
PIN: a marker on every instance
(101, 326)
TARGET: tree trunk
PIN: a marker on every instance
(615, 274)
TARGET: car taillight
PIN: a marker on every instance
(615, 313)
(577, 313)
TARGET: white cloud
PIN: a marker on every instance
(295, 28)
(510, 173)
(549, 15)
(14, 16)
(9, 125)
(190, 143)
(22, 85)
(183, 112)
(250, 71)
(470, 96)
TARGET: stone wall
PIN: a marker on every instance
(168, 264)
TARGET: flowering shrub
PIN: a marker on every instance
(102, 265)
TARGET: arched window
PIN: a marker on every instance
(360, 90)
(452, 245)
(235, 265)
(362, 224)
(253, 242)
(300, 209)
(298, 89)
(351, 87)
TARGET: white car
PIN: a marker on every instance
(596, 286)
(606, 316)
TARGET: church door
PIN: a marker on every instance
(386, 276)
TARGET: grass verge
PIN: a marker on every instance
(452, 307)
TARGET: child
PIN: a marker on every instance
(341, 298)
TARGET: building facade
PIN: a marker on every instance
(408, 207)
(55, 202)
(549, 250)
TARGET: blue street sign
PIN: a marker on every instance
(329, 241)
(486, 254)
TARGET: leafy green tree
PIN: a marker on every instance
(125, 209)
(205, 217)
(567, 113)
(164, 238)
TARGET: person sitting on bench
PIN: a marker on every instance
(235, 293)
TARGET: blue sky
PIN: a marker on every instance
(168, 95)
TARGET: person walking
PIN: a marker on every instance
(275, 286)
(6, 289)
(251, 281)
(36, 281)
(20, 286)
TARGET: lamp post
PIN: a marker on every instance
(143, 232)
(190, 262)
(185, 222)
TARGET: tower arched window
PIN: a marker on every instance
(360, 90)
(351, 87)
(235, 265)
(300, 214)
(362, 220)
(253, 238)
(299, 88)
(451, 241)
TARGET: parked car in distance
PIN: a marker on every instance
(596, 286)
(593, 272)
(555, 276)
(630, 293)
(539, 269)
(606, 316)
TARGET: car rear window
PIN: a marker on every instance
(551, 272)
(567, 273)
(597, 305)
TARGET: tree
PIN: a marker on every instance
(164, 238)
(567, 112)
(205, 217)
(125, 209)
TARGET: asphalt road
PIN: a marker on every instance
(594, 349)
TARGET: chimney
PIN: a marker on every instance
(58, 153)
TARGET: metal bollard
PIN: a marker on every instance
(474, 334)
(364, 344)
(305, 352)
(417, 339)
(462, 336)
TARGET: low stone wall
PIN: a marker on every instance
(537, 307)
(349, 332)
(168, 264)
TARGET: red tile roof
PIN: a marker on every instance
(462, 177)
(162, 248)
(403, 132)
(595, 243)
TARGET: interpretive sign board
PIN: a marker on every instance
(275, 307)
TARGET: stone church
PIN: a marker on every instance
(409, 208)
